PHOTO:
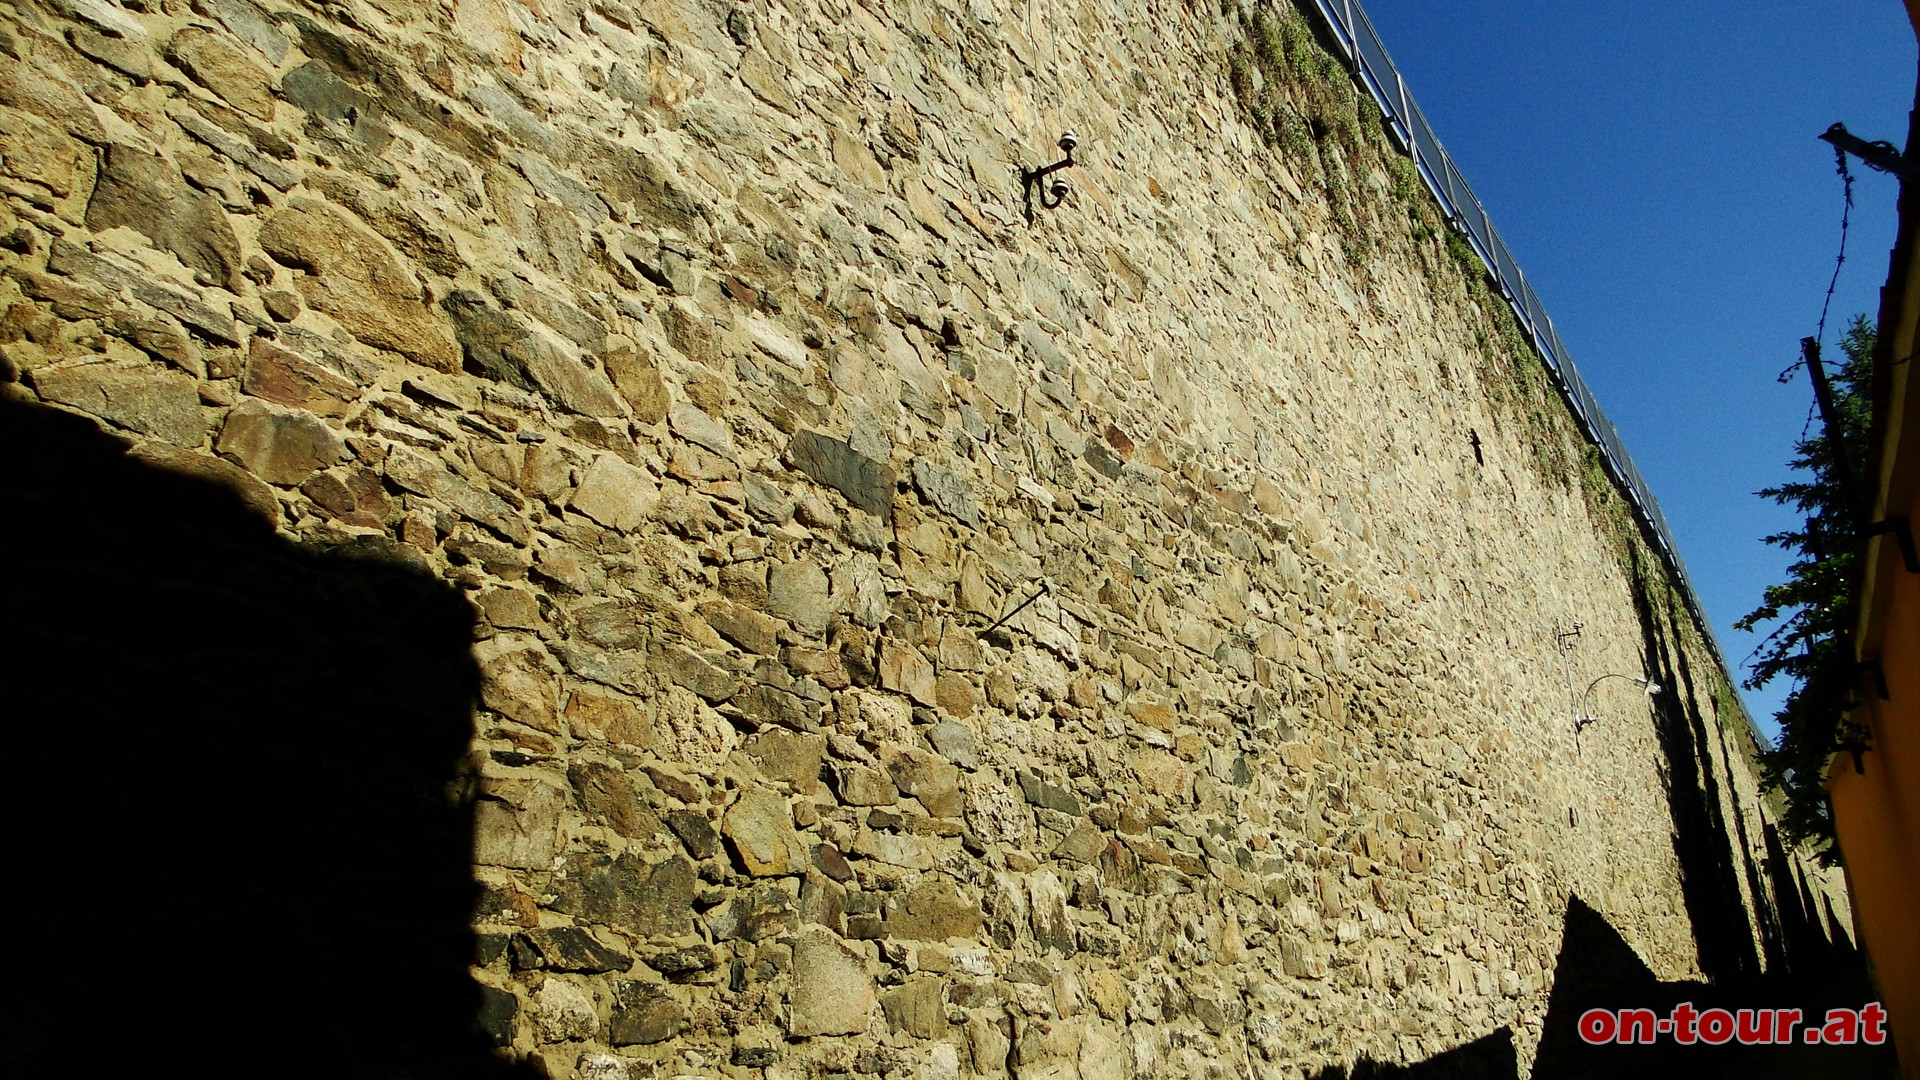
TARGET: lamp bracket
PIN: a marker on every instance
(1053, 194)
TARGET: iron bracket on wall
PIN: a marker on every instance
(1879, 155)
(1045, 587)
(1858, 750)
(1030, 178)
(1846, 738)
(1902, 534)
(1871, 668)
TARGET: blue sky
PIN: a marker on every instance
(1655, 169)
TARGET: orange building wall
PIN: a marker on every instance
(1877, 814)
(1877, 811)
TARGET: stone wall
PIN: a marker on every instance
(911, 639)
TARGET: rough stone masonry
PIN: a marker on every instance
(704, 347)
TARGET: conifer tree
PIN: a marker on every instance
(1811, 645)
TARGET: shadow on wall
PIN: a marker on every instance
(235, 841)
(1703, 840)
(1809, 965)
(1490, 1057)
(1596, 968)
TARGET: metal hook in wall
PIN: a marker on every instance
(1054, 193)
(1045, 587)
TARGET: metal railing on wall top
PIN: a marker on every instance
(1366, 57)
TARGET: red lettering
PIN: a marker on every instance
(1683, 1018)
(1755, 1026)
(1597, 1026)
(1842, 1027)
(1752, 1027)
(1716, 1026)
(1637, 1025)
(1871, 1017)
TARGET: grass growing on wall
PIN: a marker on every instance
(1328, 132)
(1617, 523)
(1305, 106)
(1308, 110)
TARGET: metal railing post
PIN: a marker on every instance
(1353, 39)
